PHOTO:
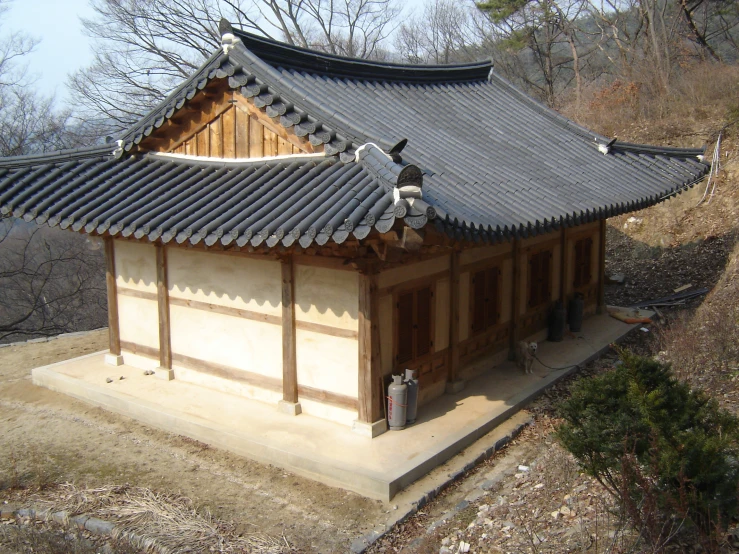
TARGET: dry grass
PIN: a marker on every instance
(701, 97)
(161, 523)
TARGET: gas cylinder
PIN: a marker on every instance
(557, 323)
(412, 382)
(397, 401)
(575, 312)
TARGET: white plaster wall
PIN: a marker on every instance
(226, 280)
(328, 363)
(135, 266)
(326, 296)
(138, 361)
(225, 385)
(326, 411)
(138, 320)
(227, 340)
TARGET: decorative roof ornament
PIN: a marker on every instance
(228, 39)
(606, 148)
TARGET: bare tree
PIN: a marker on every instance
(445, 32)
(143, 49)
(51, 282)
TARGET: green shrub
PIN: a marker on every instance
(666, 452)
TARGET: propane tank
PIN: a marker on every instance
(576, 308)
(412, 382)
(397, 400)
(557, 323)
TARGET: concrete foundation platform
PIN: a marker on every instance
(319, 449)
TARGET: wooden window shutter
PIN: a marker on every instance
(478, 301)
(405, 328)
(423, 321)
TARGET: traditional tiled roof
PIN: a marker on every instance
(295, 199)
(492, 162)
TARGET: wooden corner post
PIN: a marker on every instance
(370, 421)
(601, 309)
(114, 335)
(289, 403)
(164, 371)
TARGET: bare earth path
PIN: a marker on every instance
(48, 438)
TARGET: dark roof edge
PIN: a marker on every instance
(658, 150)
(59, 156)
(287, 56)
(199, 74)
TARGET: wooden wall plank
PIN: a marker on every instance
(289, 359)
(228, 120)
(242, 133)
(256, 138)
(270, 143)
(202, 142)
(216, 139)
(114, 335)
(165, 341)
(283, 147)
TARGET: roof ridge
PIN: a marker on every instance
(58, 155)
(331, 65)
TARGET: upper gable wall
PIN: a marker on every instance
(220, 123)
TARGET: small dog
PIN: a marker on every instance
(525, 354)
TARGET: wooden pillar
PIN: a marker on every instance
(601, 309)
(114, 334)
(370, 421)
(516, 292)
(289, 403)
(564, 269)
(164, 370)
(453, 382)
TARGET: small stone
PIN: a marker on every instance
(395, 507)
(508, 525)
(487, 485)
(108, 380)
(446, 541)
(464, 547)
(565, 511)
(525, 469)
(445, 550)
(121, 378)
(555, 514)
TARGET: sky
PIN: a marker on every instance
(63, 48)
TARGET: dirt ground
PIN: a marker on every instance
(49, 438)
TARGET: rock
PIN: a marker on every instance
(539, 486)
(121, 378)
(464, 547)
(508, 525)
(487, 485)
(524, 469)
(555, 514)
(445, 550)
(615, 279)
(108, 380)
(565, 511)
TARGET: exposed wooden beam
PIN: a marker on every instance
(165, 341)
(289, 359)
(114, 335)
(601, 309)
